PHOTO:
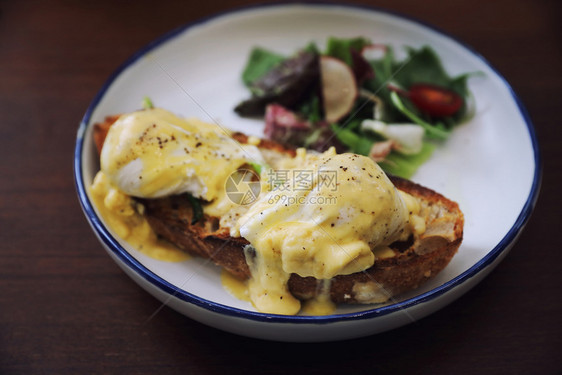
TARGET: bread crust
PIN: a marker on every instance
(414, 262)
(421, 259)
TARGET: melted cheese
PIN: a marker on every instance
(123, 216)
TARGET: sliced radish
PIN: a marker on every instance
(339, 88)
(378, 105)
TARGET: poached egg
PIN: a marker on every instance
(330, 227)
(153, 153)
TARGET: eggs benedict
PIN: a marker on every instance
(342, 222)
(329, 228)
(154, 153)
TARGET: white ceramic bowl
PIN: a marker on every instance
(490, 165)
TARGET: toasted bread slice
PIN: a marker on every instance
(402, 267)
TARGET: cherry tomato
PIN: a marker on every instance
(435, 100)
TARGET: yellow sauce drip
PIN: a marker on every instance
(233, 285)
(327, 229)
(119, 213)
(321, 304)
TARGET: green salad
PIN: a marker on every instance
(357, 96)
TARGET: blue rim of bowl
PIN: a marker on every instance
(174, 291)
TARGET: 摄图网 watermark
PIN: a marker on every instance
(285, 186)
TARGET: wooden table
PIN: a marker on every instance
(66, 308)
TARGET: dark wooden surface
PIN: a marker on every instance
(66, 308)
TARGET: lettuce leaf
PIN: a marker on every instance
(259, 62)
(357, 143)
(341, 48)
(422, 65)
(196, 207)
(435, 131)
(287, 83)
(395, 163)
(406, 165)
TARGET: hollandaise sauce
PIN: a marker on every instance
(325, 230)
(233, 285)
(321, 304)
(154, 153)
(123, 216)
(337, 224)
